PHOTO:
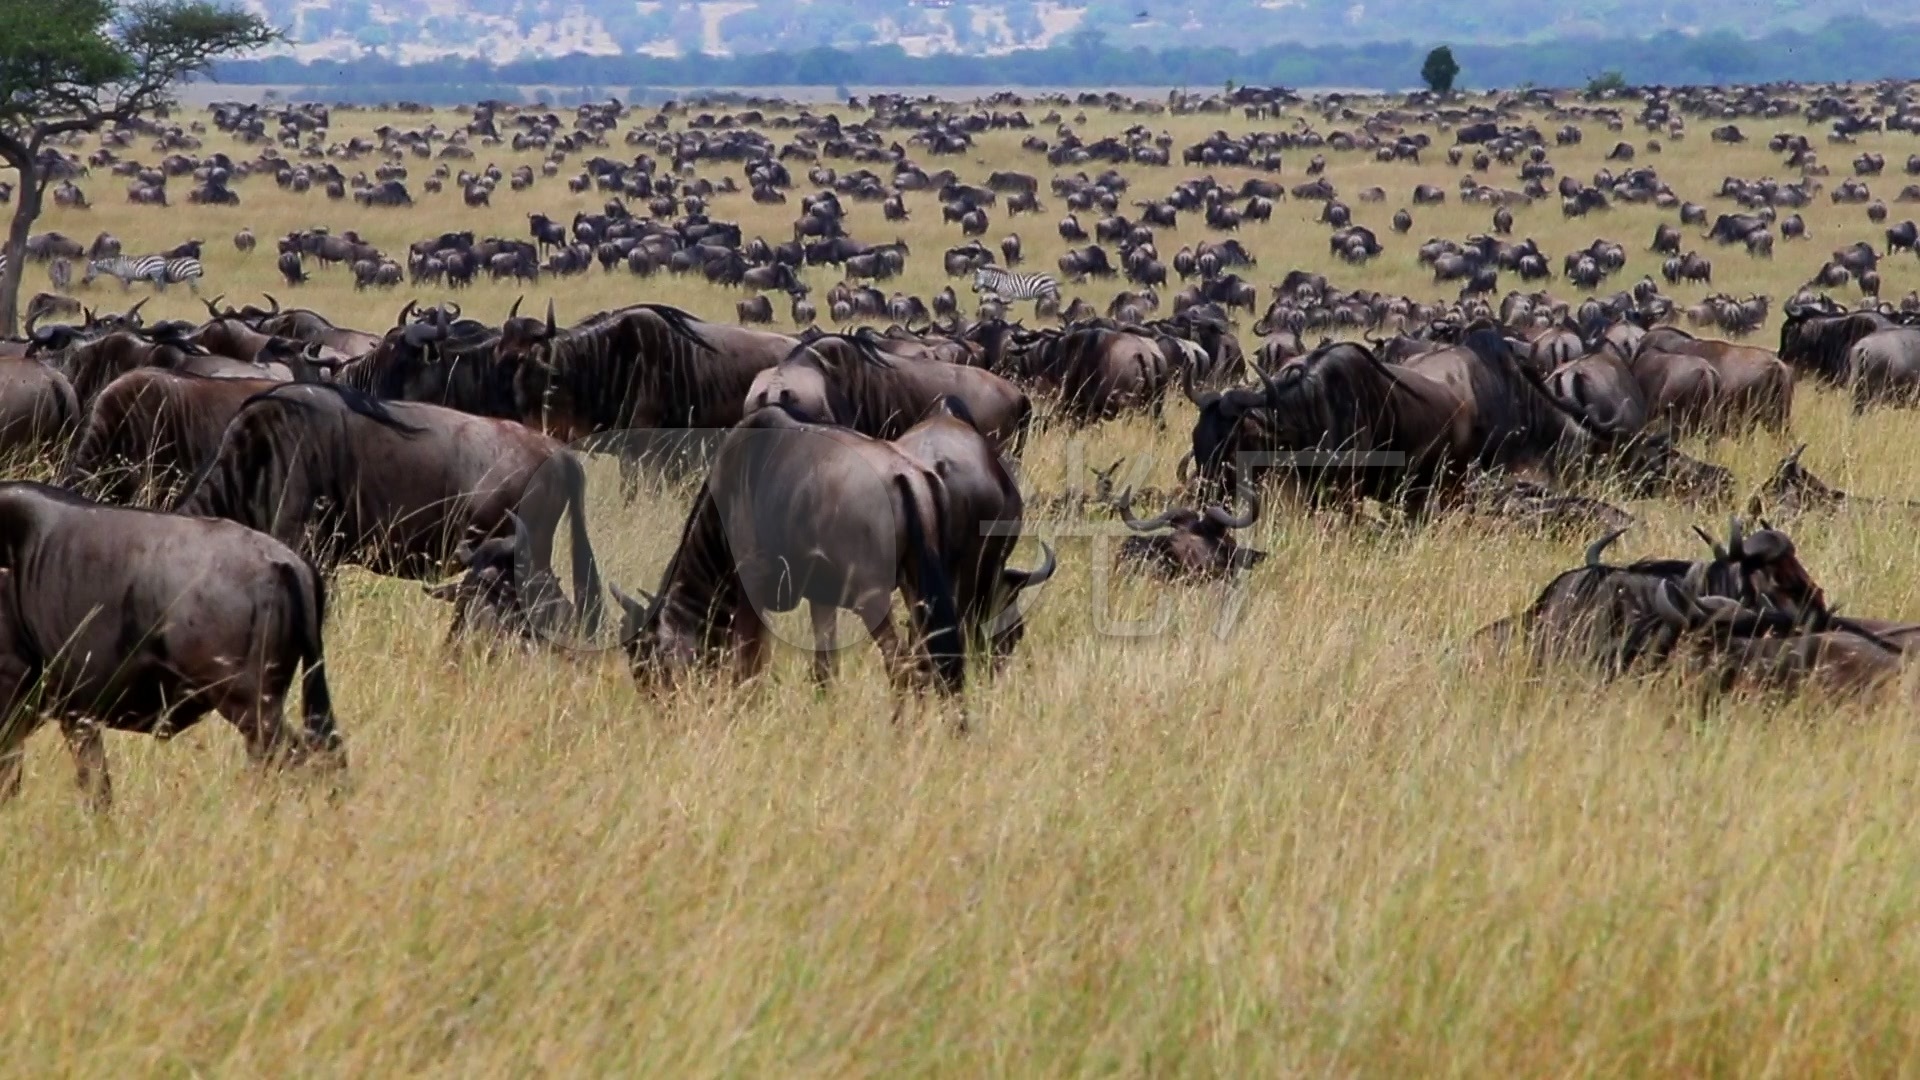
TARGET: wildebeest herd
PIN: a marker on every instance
(210, 475)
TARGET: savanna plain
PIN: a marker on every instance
(1294, 825)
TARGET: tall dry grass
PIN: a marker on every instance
(1297, 827)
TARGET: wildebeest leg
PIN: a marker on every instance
(876, 614)
(89, 760)
(825, 640)
(750, 644)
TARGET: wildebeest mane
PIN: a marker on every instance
(357, 401)
(1820, 342)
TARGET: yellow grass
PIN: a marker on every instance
(1318, 838)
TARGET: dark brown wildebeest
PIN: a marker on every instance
(1348, 424)
(1099, 372)
(1876, 356)
(848, 380)
(38, 408)
(1794, 489)
(149, 430)
(311, 327)
(145, 622)
(94, 364)
(1755, 386)
(500, 596)
(1199, 546)
(437, 361)
(983, 512)
(1606, 616)
(795, 512)
(392, 486)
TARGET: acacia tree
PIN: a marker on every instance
(1440, 70)
(78, 65)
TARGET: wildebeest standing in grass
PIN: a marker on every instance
(150, 430)
(983, 513)
(848, 380)
(145, 622)
(638, 372)
(38, 408)
(392, 486)
(794, 512)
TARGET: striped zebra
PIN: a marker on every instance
(129, 269)
(157, 269)
(1011, 285)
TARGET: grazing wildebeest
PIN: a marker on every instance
(392, 486)
(145, 622)
(793, 511)
(983, 512)
(1876, 356)
(1199, 545)
(846, 379)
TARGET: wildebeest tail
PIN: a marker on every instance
(588, 595)
(307, 621)
(946, 644)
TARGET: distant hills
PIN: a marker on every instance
(503, 31)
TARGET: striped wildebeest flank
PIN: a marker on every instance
(646, 375)
(794, 512)
(148, 431)
(145, 622)
(1197, 545)
(1009, 286)
(984, 513)
(1343, 423)
(392, 486)
(847, 379)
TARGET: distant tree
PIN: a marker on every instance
(1440, 70)
(78, 65)
(1605, 82)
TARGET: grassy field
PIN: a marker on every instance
(1291, 827)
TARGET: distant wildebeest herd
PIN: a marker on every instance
(209, 476)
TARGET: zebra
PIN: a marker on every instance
(129, 269)
(1012, 285)
(182, 271)
(159, 270)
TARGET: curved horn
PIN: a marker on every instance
(213, 306)
(551, 328)
(274, 302)
(405, 314)
(1598, 549)
(133, 313)
(1219, 515)
(1668, 607)
(1184, 466)
(514, 311)
(1793, 459)
(1124, 506)
(1713, 545)
(1736, 539)
(522, 543)
(1186, 386)
(1017, 578)
(455, 313)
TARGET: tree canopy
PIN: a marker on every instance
(79, 65)
(1440, 70)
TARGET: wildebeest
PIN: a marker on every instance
(1199, 544)
(145, 622)
(793, 511)
(392, 486)
(1345, 422)
(1875, 356)
(149, 430)
(846, 379)
(500, 595)
(1099, 372)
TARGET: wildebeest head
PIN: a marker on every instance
(520, 334)
(1010, 626)
(1185, 543)
(499, 590)
(1794, 489)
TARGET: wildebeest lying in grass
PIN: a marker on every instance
(1603, 616)
(501, 595)
(1198, 545)
(1794, 489)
